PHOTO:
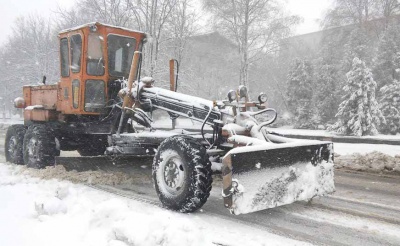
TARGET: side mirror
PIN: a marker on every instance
(232, 95)
(262, 98)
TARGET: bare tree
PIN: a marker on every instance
(30, 53)
(254, 25)
(153, 15)
(387, 9)
(113, 12)
(181, 25)
(345, 12)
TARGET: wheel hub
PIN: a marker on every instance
(174, 175)
(33, 150)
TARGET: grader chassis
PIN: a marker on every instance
(92, 107)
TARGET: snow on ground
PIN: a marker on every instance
(361, 224)
(376, 158)
(5, 123)
(361, 157)
(374, 162)
(304, 132)
(349, 149)
(42, 212)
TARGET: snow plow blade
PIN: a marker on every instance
(266, 176)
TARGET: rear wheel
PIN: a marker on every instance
(14, 144)
(40, 146)
(182, 174)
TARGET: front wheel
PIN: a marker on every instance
(182, 174)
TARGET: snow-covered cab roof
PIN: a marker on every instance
(93, 25)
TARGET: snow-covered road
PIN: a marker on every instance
(41, 212)
(37, 211)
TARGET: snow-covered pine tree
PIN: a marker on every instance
(358, 45)
(390, 106)
(384, 64)
(300, 92)
(326, 98)
(359, 112)
(390, 101)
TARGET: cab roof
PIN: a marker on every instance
(98, 24)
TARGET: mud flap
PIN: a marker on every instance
(266, 176)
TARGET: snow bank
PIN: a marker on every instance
(41, 212)
(5, 123)
(349, 149)
(88, 177)
(323, 133)
(374, 162)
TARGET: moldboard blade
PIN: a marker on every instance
(269, 176)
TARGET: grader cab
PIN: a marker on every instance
(101, 91)
(94, 61)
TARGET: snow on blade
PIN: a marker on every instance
(268, 188)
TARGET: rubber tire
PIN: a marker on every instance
(197, 168)
(18, 132)
(46, 146)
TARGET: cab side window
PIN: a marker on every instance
(64, 59)
(95, 61)
(76, 51)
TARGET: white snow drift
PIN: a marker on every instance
(41, 212)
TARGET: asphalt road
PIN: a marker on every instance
(365, 209)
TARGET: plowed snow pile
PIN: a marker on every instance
(87, 177)
(38, 212)
(374, 162)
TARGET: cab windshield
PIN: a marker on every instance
(120, 54)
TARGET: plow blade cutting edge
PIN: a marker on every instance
(266, 176)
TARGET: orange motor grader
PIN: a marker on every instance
(100, 94)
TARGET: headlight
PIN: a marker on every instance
(232, 95)
(242, 91)
(93, 28)
(19, 102)
(262, 98)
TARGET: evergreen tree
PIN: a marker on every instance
(326, 98)
(358, 45)
(300, 93)
(359, 113)
(390, 105)
(328, 77)
(390, 102)
(388, 47)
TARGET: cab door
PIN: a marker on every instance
(71, 55)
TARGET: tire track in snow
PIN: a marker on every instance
(362, 209)
(362, 197)
(314, 223)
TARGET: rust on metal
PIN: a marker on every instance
(128, 101)
(40, 115)
(172, 75)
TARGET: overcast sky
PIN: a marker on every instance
(310, 10)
